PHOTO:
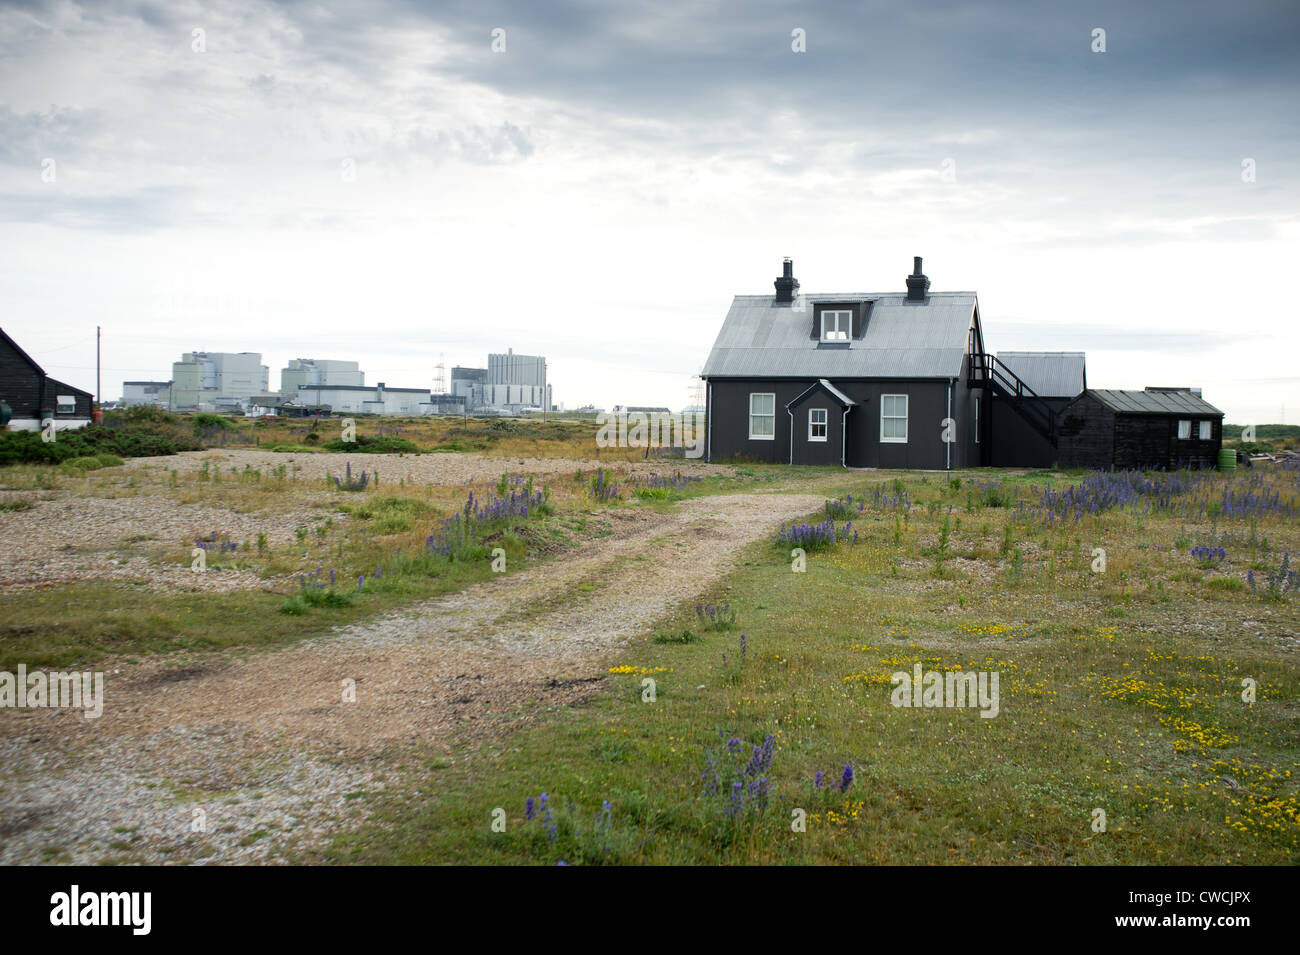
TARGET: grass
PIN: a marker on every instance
(1121, 691)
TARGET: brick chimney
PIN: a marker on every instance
(918, 286)
(787, 284)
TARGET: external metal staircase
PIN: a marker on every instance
(987, 371)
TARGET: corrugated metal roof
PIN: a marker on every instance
(1154, 402)
(915, 340)
(1051, 374)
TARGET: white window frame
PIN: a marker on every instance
(824, 424)
(1205, 430)
(65, 404)
(1184, 429)
(753, 415)
(838, 334)
(977, 419)
(903, 417)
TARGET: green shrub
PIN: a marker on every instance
(132, 440)
(109, 461)
(294, 605)
(26, 447)
(368, 445)
(87, 463)
(209, 420)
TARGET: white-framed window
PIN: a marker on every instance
(977, 419)
(1205, 430)
(1184, 429)
(816, 424)
(65, 404)
(762, 416)
(837, 325)
(893, 419)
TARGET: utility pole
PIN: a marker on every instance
(99, 400)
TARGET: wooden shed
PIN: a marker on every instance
(1155, 428)
(33, 396)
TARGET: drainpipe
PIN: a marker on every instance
(844, 421)
(708, 424)
(791, 414)
(948, 444)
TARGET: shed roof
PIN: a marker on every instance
(1050, 374)
(21, 354)
(1154, 402)
(760, 338)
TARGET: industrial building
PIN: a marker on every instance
(510, 383)
(318, 372)
(215, 381)
(155, 394)
(367, 399)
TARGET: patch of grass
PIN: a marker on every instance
(683, 636)
(1107, 700)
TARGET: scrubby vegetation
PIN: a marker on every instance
(1145, 697)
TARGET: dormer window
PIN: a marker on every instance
(837, 325)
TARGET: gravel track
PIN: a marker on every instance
(268, 748)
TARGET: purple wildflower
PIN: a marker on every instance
(847, 779)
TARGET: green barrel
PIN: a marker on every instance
(1227, 459)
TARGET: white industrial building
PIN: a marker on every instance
(156, 394)
(366, 399)
(509, 383)
(211, 381)
(319, 372)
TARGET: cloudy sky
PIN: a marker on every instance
(373, 181)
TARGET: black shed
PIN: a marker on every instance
(1155, 428)
(32, 395)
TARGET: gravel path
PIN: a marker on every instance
(270, 751)
(110, 533)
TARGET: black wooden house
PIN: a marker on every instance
(1156, 428)
(859, 379)
(33, 396)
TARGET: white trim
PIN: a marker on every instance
(903, 416)
(825, 423)
(838, 335)
(769, 414)
(844, 431)
(836, 392)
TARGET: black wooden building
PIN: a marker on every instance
(33, 396)
(1024, 416)
(1156, 428)
(860, 379)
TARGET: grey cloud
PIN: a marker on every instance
(140, 211)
